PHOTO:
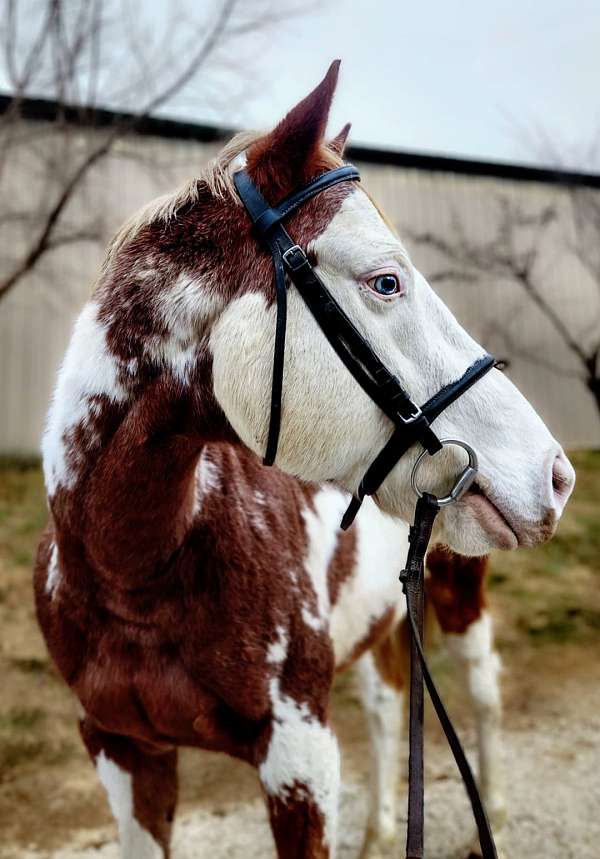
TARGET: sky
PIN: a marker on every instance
(489, 79)
(501, 80)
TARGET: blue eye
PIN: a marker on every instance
(385, 284)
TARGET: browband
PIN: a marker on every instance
(412, 423)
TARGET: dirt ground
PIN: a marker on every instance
(547, 610)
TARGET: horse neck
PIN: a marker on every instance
(120, 462)
(139, 497)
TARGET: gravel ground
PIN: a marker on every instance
(552, 763)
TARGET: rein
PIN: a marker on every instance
(411, 422)
(412, 578)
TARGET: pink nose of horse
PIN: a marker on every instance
(563, 481)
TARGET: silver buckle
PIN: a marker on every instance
(295, 249)
(418, 413)
(464, 479)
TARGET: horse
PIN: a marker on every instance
(191, 596)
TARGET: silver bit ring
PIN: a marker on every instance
(464, 479)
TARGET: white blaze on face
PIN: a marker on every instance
(135, 840)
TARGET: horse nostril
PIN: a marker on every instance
(563, 480)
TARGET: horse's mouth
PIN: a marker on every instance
(490, 518)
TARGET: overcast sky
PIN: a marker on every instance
(470, 77)
(514, 80)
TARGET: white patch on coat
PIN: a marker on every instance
(175, 353)
(188, 308)
(89, 369)
(373, 588)
(383, 708)
(277, 650)
(302, 753)
(322, 530)
(476, 647)
(135, 840)
(257, 512)
(331, 430)
(53, 574)
(207, 479)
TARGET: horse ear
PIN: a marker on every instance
(338, 144)
(285, 157)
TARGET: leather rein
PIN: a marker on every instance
(412, 423)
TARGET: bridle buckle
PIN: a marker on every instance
(294, 258)
(415, 415)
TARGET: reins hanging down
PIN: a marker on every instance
(412, 578)
(411, 424)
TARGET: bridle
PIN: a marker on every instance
(412, 423)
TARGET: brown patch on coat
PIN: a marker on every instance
(342, 563)
(297, 824)
(377, 634)
(391, 655)
(456, 588)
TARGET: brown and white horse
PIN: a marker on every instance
(191, 596)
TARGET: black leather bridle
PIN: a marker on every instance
(412, 423)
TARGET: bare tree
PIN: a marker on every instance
(85, 55)
(514, 255)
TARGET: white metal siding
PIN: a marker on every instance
(36, 319)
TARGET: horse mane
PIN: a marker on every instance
(216, 177)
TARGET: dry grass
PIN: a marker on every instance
(552, 593)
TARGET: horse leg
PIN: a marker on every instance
(381, 674)
(300, 777)
(141, 787)
(456, 589)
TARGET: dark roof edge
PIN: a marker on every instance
(46, 109)
(473, 167)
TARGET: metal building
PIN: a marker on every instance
(441, 197)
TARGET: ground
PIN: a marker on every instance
(546, 604)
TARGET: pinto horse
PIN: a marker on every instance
(191, 596)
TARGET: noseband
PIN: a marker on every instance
(412, 423)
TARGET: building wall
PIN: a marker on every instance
(36, 318)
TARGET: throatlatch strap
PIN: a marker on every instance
(412, 578)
